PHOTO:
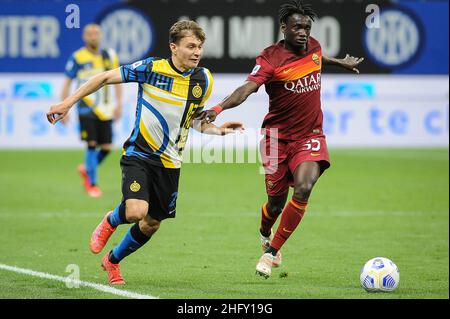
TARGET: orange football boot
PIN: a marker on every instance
(94, 191)
(113, 270)
(101, 235)
(84, 176)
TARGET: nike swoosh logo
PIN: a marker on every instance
(287, 71)
(315, 154)
(172, 211)
(287, 231)
(161, 83)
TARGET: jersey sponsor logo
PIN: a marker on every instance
(255, 69)
(135, 187)
(305, 84)
(315, 59)
(197, 91)
(397, 41)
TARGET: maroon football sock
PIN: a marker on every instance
(267, 221)
(290, 218)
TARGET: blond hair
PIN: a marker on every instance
(180, 30)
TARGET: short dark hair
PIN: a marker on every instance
(293, 7)
(178, 31)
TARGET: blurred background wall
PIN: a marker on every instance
(400, 99)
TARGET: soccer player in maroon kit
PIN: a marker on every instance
(294, 151)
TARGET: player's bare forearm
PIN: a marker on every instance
(349, 62)
(64, 94)
(59, 111)
(118, 109)
(66, 88)
(236, 98)
(94, 84)
(119, 94)
(239, 95)
(330, 61)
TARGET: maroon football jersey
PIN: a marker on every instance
(293, 83)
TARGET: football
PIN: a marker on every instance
(379, 274)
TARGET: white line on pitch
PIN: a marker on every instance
(104, 288)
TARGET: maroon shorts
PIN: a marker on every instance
(281, 158)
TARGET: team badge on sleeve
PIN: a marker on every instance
(135, 187)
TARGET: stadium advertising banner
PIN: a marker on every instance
(359, 111)
(398, 100)
(406, 37)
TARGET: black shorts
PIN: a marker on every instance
(92, 129)
(156, 185)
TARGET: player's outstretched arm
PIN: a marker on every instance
(236, 98)
(58, 111)
(349, 62)
(211, 129)
(118, 108)
(65, 92)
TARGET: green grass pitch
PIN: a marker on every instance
(390, 203)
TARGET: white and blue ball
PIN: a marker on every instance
(379, 274)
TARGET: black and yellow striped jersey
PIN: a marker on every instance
(167, 100)
(82, 65)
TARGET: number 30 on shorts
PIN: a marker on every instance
(313, 145)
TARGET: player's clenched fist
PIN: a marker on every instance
(57, 112)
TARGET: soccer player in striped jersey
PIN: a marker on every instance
(97, 111)
(293, 149)
(171, 92)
